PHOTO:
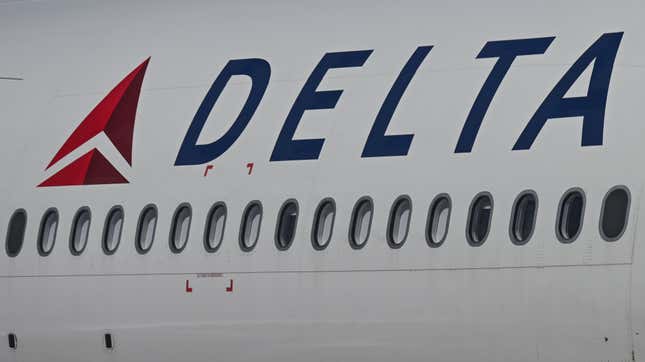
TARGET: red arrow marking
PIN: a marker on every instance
(229, 289)
(208, 168)
(188, 287)
(114, 116)
(250, 167)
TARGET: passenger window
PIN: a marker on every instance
(615, 213)
(112, 230)
(481, 212)
(180, 228)
(361, 223)
(323, 224)
(399, 222)
(80, 231)
(16, 233)
(250, 228)
(47, 232)
(438, 221)
(287, 222)
(215, 224)
(523, 217)
(146, 229)
(570, 217)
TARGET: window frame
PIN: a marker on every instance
(602, 213)
(75, 220)
(245, 214)
(564, 196)
(173, 227)
(511, 225)
(207, 226)
(24, 231)
(390, 222)
(473, 202)
(106, 225)
(137, 236)
(352, 222)
(41, 230)
(316, 223)
(428, 231)
(282, 209)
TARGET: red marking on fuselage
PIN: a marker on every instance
(229, 289)
(250, 167)
(189, 289)
(90, 169)
(114, 116)
(208, 168)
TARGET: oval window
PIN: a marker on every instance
(323, 224)
(146, 229)
(481, 212)
(16, 233)
(47, 232)
(361, 223)
(523, 218)
(215, 224)
(399, 222)
(112, 230)
(438, 221)
(80, 231)
(180, 228)
(614, 214)
(570, 216)
(287, 222)
(250, 229)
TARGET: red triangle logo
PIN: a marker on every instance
(90, 169)
(115, 116)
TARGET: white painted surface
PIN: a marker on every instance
(544, 301)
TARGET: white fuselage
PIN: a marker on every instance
(542, 301)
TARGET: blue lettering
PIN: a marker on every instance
(591, 107)
(378, 144)
(506, 51)
(286, 148)
(190, 153)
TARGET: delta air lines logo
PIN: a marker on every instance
(112, 120)
(114, 116)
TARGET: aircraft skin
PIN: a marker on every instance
(542, 301)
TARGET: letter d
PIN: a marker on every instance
(190, 153)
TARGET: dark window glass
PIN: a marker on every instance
(16, 233)
(287, 222)
(180, 228)
(80, 231)
(399, 222)
(112, 230)
(146, 229)
(615, 210)
(215, 224)
(250, 229)
(361, 223)
(438, 221)
(571, 214)
(523, 218)
(481, 212)
(47, 232)
(323, 224)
